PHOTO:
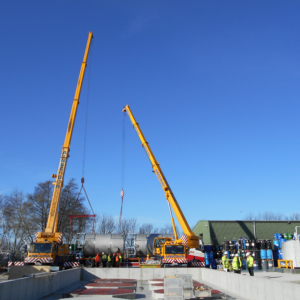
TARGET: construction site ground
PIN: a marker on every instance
(103, 283)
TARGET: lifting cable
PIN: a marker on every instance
(84, 150)
(122, 168)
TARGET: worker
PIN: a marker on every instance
(104, 259)
(225, 262)
(109, 260)
(117, 260)
(113, 259)
(120, 258)
(147, 257)
(237, 264)
(250, 263)
(97, 260)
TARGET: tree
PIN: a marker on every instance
(127, 227)
(107, 224)
(40, 202)
(147, 228)
(72, 204)
(168, 229)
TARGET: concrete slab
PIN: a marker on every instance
(112, 285)
(114, 293)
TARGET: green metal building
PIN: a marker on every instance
(216, 232)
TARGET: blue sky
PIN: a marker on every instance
(213, 84)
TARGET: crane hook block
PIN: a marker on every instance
(82, 180)
(54, 176)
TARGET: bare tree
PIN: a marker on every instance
(148, 228)
(294, 217)
(127, 227)
(249, 217)
(40, 202)
(107, 224)
(168, 229)
(71, 204)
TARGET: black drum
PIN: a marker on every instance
(253, 245)
(247, 245)
(263, 244)
(231, 245)
(269, 244)
(226, 246)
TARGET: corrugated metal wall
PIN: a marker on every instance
(215, 232)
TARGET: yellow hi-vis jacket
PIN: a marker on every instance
(108, 258)
(236, 263)
(250, 261)
(225, 262)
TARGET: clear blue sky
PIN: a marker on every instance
(213, 84)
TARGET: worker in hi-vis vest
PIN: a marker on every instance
(109, 260)
(104, 260)
(225, 262)
(236, 264)
(250, 262)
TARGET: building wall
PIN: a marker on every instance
(216, 232)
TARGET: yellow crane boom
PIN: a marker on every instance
(193, 240)
(59, 177)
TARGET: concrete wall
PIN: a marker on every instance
(137, 273)
(36, 288)
(256, 288)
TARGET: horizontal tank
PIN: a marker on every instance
(144, 243)
(98, 243)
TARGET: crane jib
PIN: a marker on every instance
(160, 178)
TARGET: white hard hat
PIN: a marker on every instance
(102, 252)
(248, 253)
(225, 253)
(236, 255)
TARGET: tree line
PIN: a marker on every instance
(22, 215)
(271, 216)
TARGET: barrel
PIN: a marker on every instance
(270, 263)
(290, 236)
(285, 236)
(244, 265)
(226, 245)
(282, 241)
(280, 254)
(253, 245)
(207, 263)
(256, 265)
(269, 244)
(247, 245)
(231, 245)
(276, 245)
(75, 247)
(71, 247)
(211, 255)
(207, 255)
(213, 264)
(207, 248)
(263, 244)
(277, 236)
(264, 265)
(269, 254)
(263, 254)
(256, 255)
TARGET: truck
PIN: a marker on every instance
(172, 252)
(48, 247)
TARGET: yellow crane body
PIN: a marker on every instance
(48, 247)
(167, 248)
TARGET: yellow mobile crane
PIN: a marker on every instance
(170, 251)
(48, 248)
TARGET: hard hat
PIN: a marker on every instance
(102, 252)
(248, 253)
(225, 253)
(236, 255)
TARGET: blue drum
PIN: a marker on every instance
(269, 254)
(263, 254)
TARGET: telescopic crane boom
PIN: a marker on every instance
(48, 243)
(193, 240)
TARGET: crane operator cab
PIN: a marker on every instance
(47, 253)
(158, 243)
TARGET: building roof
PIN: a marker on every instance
(215, 232)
